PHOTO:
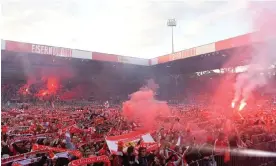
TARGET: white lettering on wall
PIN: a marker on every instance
(182, 54)
(49, 50)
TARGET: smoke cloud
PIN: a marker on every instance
(263, 56)
(143, 107)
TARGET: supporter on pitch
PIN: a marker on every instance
(221, 149)
(144, 158)
(206, 152)
(26, 147)
(5, 150)
(156, 162)
(129, 158)
(69, 144)
(192, 154)
(171, 161)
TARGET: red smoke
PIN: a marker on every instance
(52, 86)
(77, 92)
(47, 80)
(143, 107)
(24, 90)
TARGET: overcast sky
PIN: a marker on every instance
(126, 27)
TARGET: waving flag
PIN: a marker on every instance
(126, 140)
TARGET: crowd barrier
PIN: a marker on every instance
(254, 159)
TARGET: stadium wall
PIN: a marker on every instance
(238, 41)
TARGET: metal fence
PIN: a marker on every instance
(246, 160)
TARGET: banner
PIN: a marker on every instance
(126, 140)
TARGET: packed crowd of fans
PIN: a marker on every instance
(192, 135)
(201, 130)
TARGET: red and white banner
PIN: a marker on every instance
(126, 140)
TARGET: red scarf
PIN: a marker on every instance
(90, 160)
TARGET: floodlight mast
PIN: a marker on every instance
(172, 23)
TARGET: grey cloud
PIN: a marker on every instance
(160, 11)
(149, 33)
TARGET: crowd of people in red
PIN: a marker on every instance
(201, 130)
(191, 136)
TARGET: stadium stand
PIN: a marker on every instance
(63, 106)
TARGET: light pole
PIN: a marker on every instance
(171, 23)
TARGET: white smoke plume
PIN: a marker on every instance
(263, 54)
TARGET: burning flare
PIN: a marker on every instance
(242, 105)
(233, 104)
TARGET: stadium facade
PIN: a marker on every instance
(116, 74)
(204, 50)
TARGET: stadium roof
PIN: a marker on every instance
(204, 50)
